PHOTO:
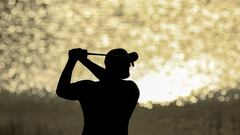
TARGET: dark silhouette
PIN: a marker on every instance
(108, 103)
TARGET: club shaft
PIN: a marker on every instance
(99, 54)
(102, 54)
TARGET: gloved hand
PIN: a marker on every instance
(77, 54)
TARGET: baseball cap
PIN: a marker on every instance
(120, 54)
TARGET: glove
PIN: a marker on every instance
(77, 54)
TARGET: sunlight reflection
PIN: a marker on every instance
(183, 45)
(171, 82)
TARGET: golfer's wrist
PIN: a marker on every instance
(71, 60)
(84, 61)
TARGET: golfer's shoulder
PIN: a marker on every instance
(131, 84)
(85, 83)
(132, 88)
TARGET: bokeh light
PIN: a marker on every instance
(184, 45)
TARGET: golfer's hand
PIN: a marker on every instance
(77, 54)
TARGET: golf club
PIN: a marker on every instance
(131, 56)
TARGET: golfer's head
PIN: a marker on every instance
(118, 62)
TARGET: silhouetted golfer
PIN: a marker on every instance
(107, 104)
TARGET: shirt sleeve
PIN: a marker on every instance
(78, 90)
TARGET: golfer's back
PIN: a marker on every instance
(107, 106)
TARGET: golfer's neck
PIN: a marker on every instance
(112, 78)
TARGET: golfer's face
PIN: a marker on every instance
(125, 71)
(121, 69)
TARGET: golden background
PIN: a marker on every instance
(186, 47)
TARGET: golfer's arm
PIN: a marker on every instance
(65, 78)
(97, 70)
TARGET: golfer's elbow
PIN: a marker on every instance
(60, 91)
(65, 93)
